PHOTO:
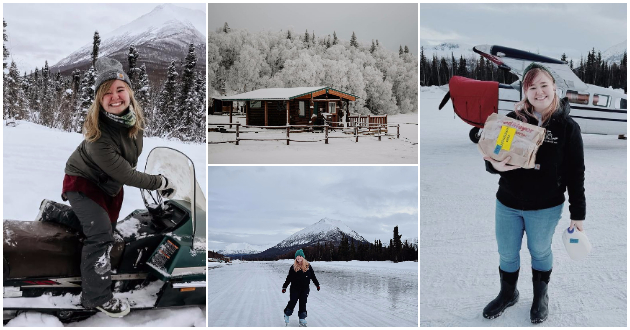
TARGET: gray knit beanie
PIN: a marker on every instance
(108, 69)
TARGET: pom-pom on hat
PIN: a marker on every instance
(109, 69)
(299, 253)
(535, 65)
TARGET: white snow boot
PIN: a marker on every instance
(302, 322)
(115, 307)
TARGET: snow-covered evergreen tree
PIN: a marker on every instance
(353, 41)
(5, 50)
(86, 98)
(14, 97)
(96, 43)
(335, 40)
(143, 96)
(166, 114)
(133, 72)
(189, 102)
(47, 112)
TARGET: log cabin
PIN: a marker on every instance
(294, 106)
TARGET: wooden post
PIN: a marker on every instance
(379, 132)
(288, 123)
(237, 125)
(368, 123)
(231, 107)
(266, 115)
(326, 133)
(356, 133)
(288, 134)
(246, 112)
(398, 131)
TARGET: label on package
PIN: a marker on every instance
(505, 138)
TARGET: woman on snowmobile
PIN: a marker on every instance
(531, 200)
(300, 275)
(94, 177)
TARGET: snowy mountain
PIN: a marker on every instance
(240, 249)
(614, 54)
(160, 36)
(325, 230)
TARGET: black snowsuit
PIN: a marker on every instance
(299, 290)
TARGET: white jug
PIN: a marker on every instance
(576, 243)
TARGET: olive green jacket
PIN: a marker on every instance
(110, 162)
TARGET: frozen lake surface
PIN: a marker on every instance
(353, 294)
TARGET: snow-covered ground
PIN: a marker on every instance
(338, 150)
(34, 159)
(353, 294)
(458, 251)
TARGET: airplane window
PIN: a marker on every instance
(620, 103)
(575, 97)
(601, 100)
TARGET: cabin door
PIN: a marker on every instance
(332, 109)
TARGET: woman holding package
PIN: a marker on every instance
(531, 200)
(300, 275)
(95, 174)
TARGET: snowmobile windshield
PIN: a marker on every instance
(180, 171)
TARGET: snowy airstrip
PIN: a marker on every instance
(368, 150)
(458, 251)
(353, 294)
(34, 159)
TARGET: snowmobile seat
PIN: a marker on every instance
(46, 249)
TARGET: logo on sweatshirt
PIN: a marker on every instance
(549, 138)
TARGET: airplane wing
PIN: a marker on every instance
(516, 61)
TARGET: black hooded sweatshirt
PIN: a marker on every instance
(559, 168)
(300, 279)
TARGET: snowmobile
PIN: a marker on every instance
(158, 259)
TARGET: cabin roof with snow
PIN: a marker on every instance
(283, 94)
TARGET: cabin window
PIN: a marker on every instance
(302, 111)
(577, 98)
(332, 107)
(256, 104)
(621, 103)
(601, 100)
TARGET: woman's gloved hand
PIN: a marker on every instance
(284, 290)
(317, 288)
(166, 189)
(501, 166)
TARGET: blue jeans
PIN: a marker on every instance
(538, 224)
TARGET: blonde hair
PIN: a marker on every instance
(525, 107)
(92, 132)
(303, 266)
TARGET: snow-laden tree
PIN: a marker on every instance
(85, 99)
(353, 41)
(247, 70)
(166, 116)
(47, 112)
(134, 72)
(96, 43)
(380, 99)
(14, 97)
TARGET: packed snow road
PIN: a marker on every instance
(353, 294)
(458, 252)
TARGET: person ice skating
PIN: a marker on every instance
(94, 177)
(531, 200)
(300, 275)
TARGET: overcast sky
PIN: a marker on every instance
(40, 32)
(265, 205)
(392, 24)
(550, 29)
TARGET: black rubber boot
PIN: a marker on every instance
(507, 297)
(540, 310)
(51, 211)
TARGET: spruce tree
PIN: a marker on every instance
(289, 35)
(14, 98)
(96, 43)
(165, 112)
(133, 72)
(143, 96)
(400, 51)
(47, 115)
(353, 41)
(406, 49)
(397, 245)
(5, 50)
(85, 99)
(373, 48)
(226, 28)
(188, 102)
(306, 37)
(328, 44)
(335, 40)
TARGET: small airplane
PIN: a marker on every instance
(596, 109)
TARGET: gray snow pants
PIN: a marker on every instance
(96, 280)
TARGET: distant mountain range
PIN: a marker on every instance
(324, 231)
(160, 36)
(611, 55)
